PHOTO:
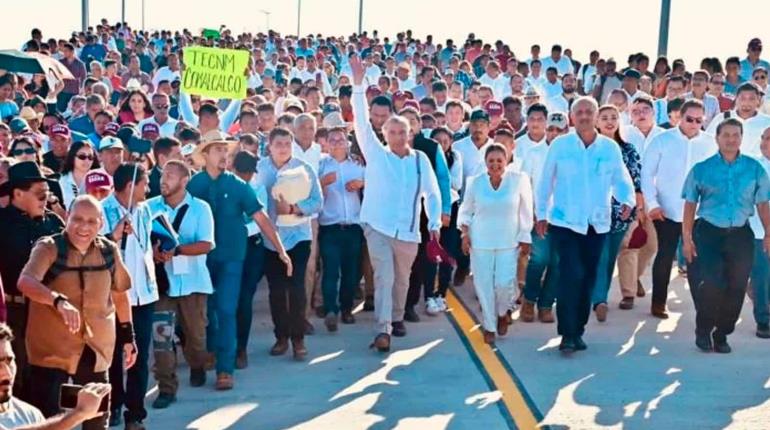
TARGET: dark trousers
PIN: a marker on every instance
(423, 275)
(17, 321)
(668, 233)
(578, 256)
(538, 288)
(723, 265)
(253, 269)
(131, 393)
(46, 382)
(287, 293)
(450, 241)
(340, 249)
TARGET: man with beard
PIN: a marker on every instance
(563, 102)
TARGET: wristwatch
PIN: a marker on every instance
(58, 299)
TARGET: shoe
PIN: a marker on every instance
(280, 347)
(320, 312)
(703, 342)
(640, 292)
(459, 278)
(431, 307)
(659, 311)
(211, 361)
(489, 337)
(116, 418)
(567, 345)
(720, 343)
(545, 315)
(579, 344)
(309, 329)
(627, 303)
(601, 312)
(347, 318)
(300, 351)
(241, 359)
(197, 377)
(502, 325)
(163, 401)
(381, 342)
(763, 331)
(224, 382)
(369, 304)
(410, 315)
(134, 425)
(441, 301)
(399, 329)
(330, 321)
(527, 311)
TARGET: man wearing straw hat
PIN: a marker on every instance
(232, 201)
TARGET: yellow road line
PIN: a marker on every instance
(517, 403)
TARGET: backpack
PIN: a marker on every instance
(60, 264)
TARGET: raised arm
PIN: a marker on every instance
(367, 140)
(186, 109)
(229, 115)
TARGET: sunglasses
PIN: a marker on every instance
(160, 107)
(760, 77)
(85, 157)
(692, 120)
(28, 151)
(43, 196)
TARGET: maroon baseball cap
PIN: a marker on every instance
(493, 108)
(60, 130)
(399, 95)
(373, 91)
(98, 179)
(111, 129)
(150, 128)
(412, 103)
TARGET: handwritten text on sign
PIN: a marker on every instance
(217, 73)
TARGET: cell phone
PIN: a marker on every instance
(68, 398)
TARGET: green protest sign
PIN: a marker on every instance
(211, 33)
(216, 73)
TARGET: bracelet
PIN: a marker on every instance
(58, 299)
(125, 333)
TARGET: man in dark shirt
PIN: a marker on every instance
(71, 86)
(22, 223)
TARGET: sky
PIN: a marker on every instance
(616, 28)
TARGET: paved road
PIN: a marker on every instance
(638, 372)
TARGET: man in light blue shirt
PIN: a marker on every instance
(752, 60)
(719, 246)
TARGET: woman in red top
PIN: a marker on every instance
(134, 107)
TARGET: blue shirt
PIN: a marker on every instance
(230, 198)
(82, 124)
(8, 108)
(747, 69)
(267, 174)
(727, 193)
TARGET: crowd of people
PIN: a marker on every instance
(138, 219)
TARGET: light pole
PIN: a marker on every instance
(84, 14)
(142, 15)
(122, 10)
(267, 19)
(360, 15)
(665, 15)
(299, 9)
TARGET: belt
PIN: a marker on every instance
(340, 226)
(19, 300)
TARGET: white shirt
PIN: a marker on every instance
(754, 221)
(564, 65)
(523, 144)
(582, 181)
(188, 274)
(498, 218)
(340, 205)
(497, 84)
(138, 252)
(165, 74)
(710, 106)
(19, 414)
(372, 74)
(167, 129)
(310, 156)
(400, 181)
(306, 75)
(665, 165)
(558, 104)
(533, 161)
(69, 189)
(551, 90)
(752, 130)
(631, 134)
(472, 156)
(406, 84)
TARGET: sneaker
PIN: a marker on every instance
(197, 377)
(224, 382)
(763, 331)
(441, 301)
(431, 307)
(331, 322)
(410, 315)
(163, 401)
(241, 359)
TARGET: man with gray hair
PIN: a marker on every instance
(403, 177)
(581, 174)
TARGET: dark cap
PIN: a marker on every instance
(479, 115)
(755, 43)
(632, 73)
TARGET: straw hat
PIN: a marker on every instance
(213, 137)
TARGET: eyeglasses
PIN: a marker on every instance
(85, 157)
(720, 83)
(760, 77)
(28, 151)
(693, 120)
(43, 196)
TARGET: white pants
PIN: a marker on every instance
(392, 263)
(494, 278)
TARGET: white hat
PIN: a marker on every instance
(110, 142)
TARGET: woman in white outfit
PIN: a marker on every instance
(81, 158)
(496, 222)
